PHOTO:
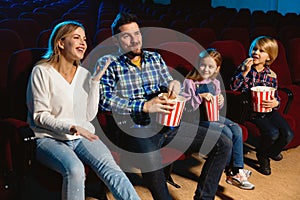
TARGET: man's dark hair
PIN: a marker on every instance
(121, 19)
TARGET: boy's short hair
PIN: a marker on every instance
(121, 19)
(268, 44)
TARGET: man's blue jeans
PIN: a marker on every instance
(213, 145)
(67, 158)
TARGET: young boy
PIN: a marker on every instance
(255, 71)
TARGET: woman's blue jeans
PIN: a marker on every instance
(234, 132)
(67, 158)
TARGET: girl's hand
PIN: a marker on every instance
(270, 103)
(220, 99)
(206, 96)
(99, 73)
(77, 130)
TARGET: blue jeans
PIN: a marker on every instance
(234, 132)
(275, 133)
(67, 158)
(215, 147)
(212, 144)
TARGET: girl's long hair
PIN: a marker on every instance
(214, 54)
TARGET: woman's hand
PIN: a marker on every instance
(77, 130)
(99, 73)
(270, 103)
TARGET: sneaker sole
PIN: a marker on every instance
(238, 184)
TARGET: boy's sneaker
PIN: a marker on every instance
(240, 180)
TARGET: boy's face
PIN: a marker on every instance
(208, 67)
(130, 38)
(259, 56)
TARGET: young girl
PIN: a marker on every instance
(201, 85)
(255, 71)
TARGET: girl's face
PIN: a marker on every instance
(208, 67)
(74, 44)
(259, 56)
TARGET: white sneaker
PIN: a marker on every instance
(247, 172)
(240, 180)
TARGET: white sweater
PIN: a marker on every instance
(54, 105)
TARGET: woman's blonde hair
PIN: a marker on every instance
(59, 32)
(210, 52)
(268, 45)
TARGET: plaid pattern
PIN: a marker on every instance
(125, 88)
(254, 78)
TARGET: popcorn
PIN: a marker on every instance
(174, 117)
(212, 109)
(260, 93)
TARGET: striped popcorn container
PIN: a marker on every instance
(260, 93)
(212, 109)
(173, 118)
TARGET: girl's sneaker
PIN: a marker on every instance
(247, 172)
(240, 180)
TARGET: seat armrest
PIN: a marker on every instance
(21, 144)
(290, 96)
(238, 106)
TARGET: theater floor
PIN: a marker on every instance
(282, 184)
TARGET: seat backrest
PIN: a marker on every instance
(281, 68)
(10, 42)
(180, 25)
(152, 37)
(44, 19)
(180, 57)
(236, 33)
(287, 33)
(263, 30)
(43, 38)
(233, 54)
(204, 36)
(20, 66)
(101, 35)
(28, 29)
(293, 52)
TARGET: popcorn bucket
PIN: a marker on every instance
(174, 117)
(260, 93)
(212, 109)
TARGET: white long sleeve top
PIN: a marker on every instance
(54, 105)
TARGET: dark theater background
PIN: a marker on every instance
(227, 25)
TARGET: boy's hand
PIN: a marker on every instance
(273, 103)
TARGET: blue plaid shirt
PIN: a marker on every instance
(264, 78)
(125, 88)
